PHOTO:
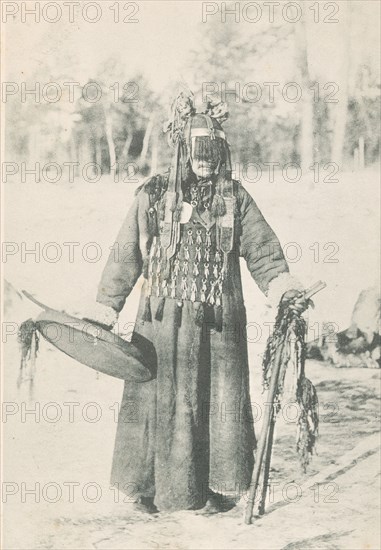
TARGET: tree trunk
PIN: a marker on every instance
(98, 153)
(126, 148)
(147, 136)
(110, 141)
(340, 122)
(306, 142)
(154, 153)
(340, 109)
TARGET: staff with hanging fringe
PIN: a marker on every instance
(285, 345)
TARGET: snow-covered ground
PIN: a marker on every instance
(61, 445)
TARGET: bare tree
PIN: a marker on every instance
(340, 109)
(146, 140)
(306, 141)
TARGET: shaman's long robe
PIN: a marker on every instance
(191, 428)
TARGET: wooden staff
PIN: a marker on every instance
(267, 433)
(266, 468)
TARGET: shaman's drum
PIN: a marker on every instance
(98, 348)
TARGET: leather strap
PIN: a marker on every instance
(225, 223)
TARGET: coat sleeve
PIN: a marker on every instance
(259, 245)
(124, 265)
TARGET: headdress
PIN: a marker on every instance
(185, 125)
(201, 134)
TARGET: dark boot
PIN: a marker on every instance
(216, 504)
(146, 505)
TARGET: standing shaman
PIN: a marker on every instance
(185, 233)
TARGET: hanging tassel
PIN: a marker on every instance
(161, 210)
(178, 314)
(166, 269)
(160, 310)
(173, 287)
(145, 267)
(177, 211)
(152, 222)
(225, 265)
(308, 422)
(193, 291)
(26, 334)
(200, 315)
(218, 318)
(289, 334)
(164, 286)
(218, 207)
(29, 342)
(147, 315)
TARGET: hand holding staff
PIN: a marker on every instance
(267, 433)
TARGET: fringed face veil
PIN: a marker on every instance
(206, 142)
(198, 136)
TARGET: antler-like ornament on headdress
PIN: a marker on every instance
(182, 108)
(216, 108)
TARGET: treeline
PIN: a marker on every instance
(283, 107)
